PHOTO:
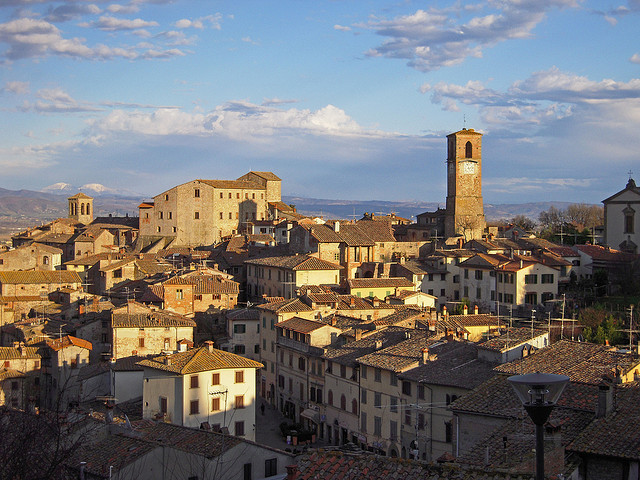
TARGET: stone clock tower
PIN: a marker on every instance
(465, 210)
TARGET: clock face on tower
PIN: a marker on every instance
(468, 167)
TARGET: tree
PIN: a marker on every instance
(523, 222)
(551, 219)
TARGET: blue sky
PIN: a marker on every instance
(342, 99)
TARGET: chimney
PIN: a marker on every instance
(605, 401)
(167, 359)
(23, 350)
(357, 332)
(209, 345)
(475, 310)
(466, 310)
(378, 344)
(402, 260)
(292, 472)
(425, 354)
(376, 302)
(336, 226)
(80, 308)
(352, 302)
(334, 320)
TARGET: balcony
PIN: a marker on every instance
(300, 346)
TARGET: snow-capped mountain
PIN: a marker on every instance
(59, 187)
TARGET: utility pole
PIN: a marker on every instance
(564, 295)
(630, 326)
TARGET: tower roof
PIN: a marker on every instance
(465, 131)
(80, 195)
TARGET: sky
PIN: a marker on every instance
(341, 99)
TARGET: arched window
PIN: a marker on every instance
(82, 209)
(88, 209)
(354, 406)
(45, 260)
(330, 397)
(343, 403)
(468, 150)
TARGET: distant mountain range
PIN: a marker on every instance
(20, 209)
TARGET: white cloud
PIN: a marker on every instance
(68, 12)
(437, 38)
(342, 28)
(16, 87)
(635, 58)
(112, 24)
(213, 21)
(28, 38)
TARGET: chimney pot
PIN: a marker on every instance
(475, 310)
(209, 345)
(466, 310)
(292, 472)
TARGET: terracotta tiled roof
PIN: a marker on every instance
(480, 320)
(394, 282)
(11, 353)
(243, 314)
(401, 356)
(295, 262)
(233, 184)
(286, 306)
(301, 325)
(39, 276)
(616, 434)
(351, 302)
(604, 254)
(266, 175)
(338, 465)
(322, 233)
(6, 374)
(199, 360)
(510, 338)
(452, 364)
(582, 362)
(68, 341)
(150, 319)
(348, 354)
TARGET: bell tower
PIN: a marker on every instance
(81, 208)
(465, 209)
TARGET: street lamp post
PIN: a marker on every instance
(539, 393)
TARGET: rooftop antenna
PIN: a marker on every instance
(630, 172)
(464, 121)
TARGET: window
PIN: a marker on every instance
(196, 193)
(239, 328)
(448, 431)
(163, 405)
(194, 407)
(393, 380)
(478, 293)
(466, 273)
(179, 294)
(239, 429)
(394, 404)
(547, 278)
(531, 279)
(443, 292)
(330, 397)
(239, 403)
(363, 422)
(421, 423)
(421, 392)
(377, 375)
(239, 349)
(343, 402)
(468, 150)
(160, 215)
(271, 467)
(240, 376)
(628, 219)
(478, 274)
(141, 342)
(343, 371)
(301, 364)
(363, 396)
(393, 427)
(363, 371)
(406, 387)
(354, 406)
(194, 381)
(246, 468)
(196, 216)
(221, 215)
(230, 216)
(377, 426)
(215, 404)
(377, 399)
(407, 417)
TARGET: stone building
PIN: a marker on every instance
(202, 212)
(139, 330)
(81, 208)
(465, 211)
(619, 219)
